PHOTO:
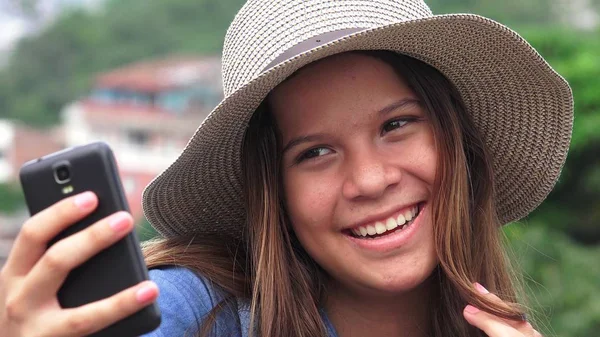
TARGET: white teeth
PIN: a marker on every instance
(380, 227)
(390, 224)
(408, 215)
(371, 230)
(401, 220)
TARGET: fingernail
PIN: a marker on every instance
(119, 222)
(471, 309)
(84, 200)
(481, 288)
(146, 293)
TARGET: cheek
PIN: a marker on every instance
(419, 159)
(310, 200)
(427, 164)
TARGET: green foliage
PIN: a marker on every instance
(11, 198)
(145, 231)
(510, 12)
(573, 204)
(561, 279)
(49, 70)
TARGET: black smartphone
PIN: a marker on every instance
(91, 167)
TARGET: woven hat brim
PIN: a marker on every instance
(522, 107)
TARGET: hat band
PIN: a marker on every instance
(311, 43)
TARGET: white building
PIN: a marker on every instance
(7, 134)
(146, 112)
(20, 143)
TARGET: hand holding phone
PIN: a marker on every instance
(75, 268)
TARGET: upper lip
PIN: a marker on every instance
(381, 216)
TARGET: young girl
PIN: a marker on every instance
(352, 183)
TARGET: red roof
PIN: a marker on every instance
(109, 115)
(156, 75)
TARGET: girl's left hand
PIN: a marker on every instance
(495, 326)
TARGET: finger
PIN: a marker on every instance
(95, 316)
(31, 242)
(482, 290)
(525, 328)
(491, 325)
(52, 269)
(520, 325)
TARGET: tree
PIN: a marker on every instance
(49, 70)
(573, 204)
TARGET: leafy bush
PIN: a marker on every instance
(145, 231)
(47, 71)
(11, 198)
(561, 278)
(573, 204)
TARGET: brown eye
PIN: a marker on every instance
(313, 153)
(395, 124)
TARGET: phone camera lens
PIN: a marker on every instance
(62, 174)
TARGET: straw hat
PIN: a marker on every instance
(523, 108)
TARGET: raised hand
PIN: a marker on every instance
(33, 274)
(495, 326)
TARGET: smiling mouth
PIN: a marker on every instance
(396, 223)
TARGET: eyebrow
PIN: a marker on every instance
(399, 104)
(409, 101)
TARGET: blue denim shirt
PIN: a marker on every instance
(185, 299)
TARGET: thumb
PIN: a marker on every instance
(490, 324)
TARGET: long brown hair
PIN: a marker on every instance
(283, 283)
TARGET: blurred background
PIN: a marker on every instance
(142, 75)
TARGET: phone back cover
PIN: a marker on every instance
(114, 269)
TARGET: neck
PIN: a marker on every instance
(354, 313)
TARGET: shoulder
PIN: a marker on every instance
(183, 284)
(186, 299)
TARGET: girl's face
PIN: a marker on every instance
(358, 165)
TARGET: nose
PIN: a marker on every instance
(369, 174)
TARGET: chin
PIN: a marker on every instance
(401, 280)
(402, 272)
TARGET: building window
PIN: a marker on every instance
(138, 137)
(129, 185)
